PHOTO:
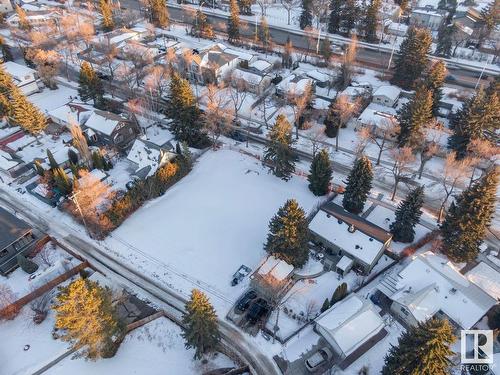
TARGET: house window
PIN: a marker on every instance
(22, 243)
(404, 311)
(3, 253)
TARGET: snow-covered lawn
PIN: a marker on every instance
(156, 348)
(208, 224)
(22, 331)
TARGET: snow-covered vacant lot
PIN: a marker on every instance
(208, 224)
(156, 348)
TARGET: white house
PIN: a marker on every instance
(25, 78)
(376, 115)
(293, 85)
(427, 17)
(71, 113)
(254, 82)
(351, 327)
(347, 234)
(387, 95)
(487, 278)
(429, 286)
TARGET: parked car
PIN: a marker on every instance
(257, 310)
(245, 301)
(319, 358)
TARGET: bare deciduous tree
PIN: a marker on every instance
(217, 116)
(7, 298)
(140, 58)
(382, 135)
(238, 91)
(47, 254)
(347, 68)
(316, 137)
(401, 169)
(482, 154)
(299, 101)
(47, 65)
(344, 110)
(454, 173)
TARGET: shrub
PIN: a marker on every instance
(26, 265)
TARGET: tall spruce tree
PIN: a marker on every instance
(183, 109)
(279, 154)
(407, 216)
(468, 218)
(201, 27)
(287, 58)
(413, 117)
(62, 181)
(349, 14)
(200, 325)
(159, 13)
(263, 34)
(411, 60)
(423, 350)
(89, 85)
(289, 234)
(444, 40)
(106, 10)
(370, 21)
(359, 183)
(320, 173)
(86, 318)
(25, 114)
(335, 16)
(52, 161)
(245, 7)
(434, 83)
(233, 22)
(477, 119)
(7, 88)
(306, 16)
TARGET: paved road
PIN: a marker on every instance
(110, 266)
(368, 55)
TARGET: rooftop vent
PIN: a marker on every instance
(351, 229)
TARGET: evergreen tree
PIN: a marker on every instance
(201, 26)
(339, 294)
(183, 109)
(306, 16)
(407, 216)
(335, 16)
(434, 83)
(26, 264)
(287, 59)
(39, 169)
(89, 85)
(25, 114)
(263, 33)
(7, 88)
(325, 306)
(332, 121)
(233, 22)
(200, 325)
(320, 173)
(477, 119)
(349, 14)
(469, 217)
(289, 234)
(445, 40)
(412, 59)
(370, 21)
(98, 160)
(5, 49)
(52, 161)
(413, 117)
(159, 13)
(62, 181)
(359, 183)
(490, 18)
(279, 154)
(72, 156)
(423, 350)
(325, 49)
(86, 318)
(106, 10)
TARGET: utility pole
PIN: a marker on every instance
(75, 200)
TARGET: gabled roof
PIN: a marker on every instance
(11, 228)
(277, 268)
(430, 283)
(104, 122)
(392, 92)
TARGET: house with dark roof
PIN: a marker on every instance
(350, 237)
(16, 237)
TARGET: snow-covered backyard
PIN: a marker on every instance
(208, 224)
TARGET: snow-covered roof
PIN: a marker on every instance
(18, 71)
(430, 283)
(344, 263)
(351, 323)
(376, 114)
(103, 122)
(242, 55)
(277, 268)
(359, 244)
(390, 91)
(353, 91)
(6, 161)
(260, 65)
(294, 84)
(487, 278)
(70, 113)
(143, 156)
(247, 76)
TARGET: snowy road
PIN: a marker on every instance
(169, 300)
